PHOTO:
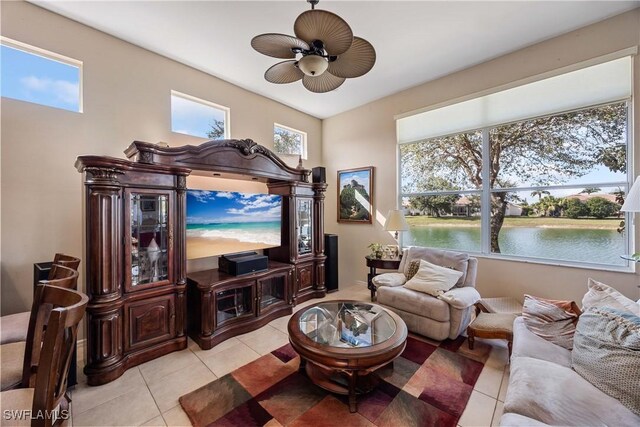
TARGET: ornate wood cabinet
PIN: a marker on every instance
(135, 268)
(221, 305)
(135, 213)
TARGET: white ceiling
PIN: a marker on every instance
(415, 41)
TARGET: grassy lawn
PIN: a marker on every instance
(517, 221)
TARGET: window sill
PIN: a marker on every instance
(630, 268)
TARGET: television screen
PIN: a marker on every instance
(224, 222)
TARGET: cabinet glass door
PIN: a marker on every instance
(304, 225)
(272, 290)
(149, 238)
(232, 303)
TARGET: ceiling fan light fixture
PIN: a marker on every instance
(313, 65)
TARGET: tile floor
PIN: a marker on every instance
(147, 395)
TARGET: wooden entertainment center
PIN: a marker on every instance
(142, 303)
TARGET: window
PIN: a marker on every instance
(547, 187)
(197, 117)
(289, 141)
(41, 77)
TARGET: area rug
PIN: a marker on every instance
(429, 385)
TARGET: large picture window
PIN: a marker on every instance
(547, 188)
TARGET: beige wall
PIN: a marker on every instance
(126, 98)
(366, 136)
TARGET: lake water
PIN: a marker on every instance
(588, 245)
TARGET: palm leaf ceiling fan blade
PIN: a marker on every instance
(356, 61)
(283, 72)
(278, 45)
(328, 27)
(325, 82)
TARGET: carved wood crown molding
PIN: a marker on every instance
(99, 174)
(237, 156)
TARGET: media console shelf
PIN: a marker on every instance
(221, 305)
(136, 264)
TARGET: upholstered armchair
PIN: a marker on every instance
(445, 316)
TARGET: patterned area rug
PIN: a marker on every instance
(429, 385)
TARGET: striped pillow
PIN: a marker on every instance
(555, 321)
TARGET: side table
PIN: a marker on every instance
(375, 263)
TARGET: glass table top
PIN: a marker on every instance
(347, 324)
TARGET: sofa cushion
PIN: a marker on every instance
(516, 420)
(556, 395)
(432, 279)
(389, 279)
(414, 302)
(601, 295)
(607, 353)
(552, 320)
(454, 260)
(528, 344)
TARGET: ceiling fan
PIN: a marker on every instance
(329, 52)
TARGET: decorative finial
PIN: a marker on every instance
(300, 162)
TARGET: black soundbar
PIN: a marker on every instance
(243, 263)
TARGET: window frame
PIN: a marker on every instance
(290, 129)
(225, 110)
(485, 191)
(51, 56)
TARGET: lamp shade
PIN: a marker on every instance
(396, 221)
(632, 203)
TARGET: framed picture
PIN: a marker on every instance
(355, 195)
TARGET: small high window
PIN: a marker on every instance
(289, 141)
(35, 75)
(197, 117)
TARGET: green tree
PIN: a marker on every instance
(435, 205)
(600, 207)
(217, 130)
(574, 208)
(539, 193)
(537, 152)
(287, 142)
(352, 197)
(590, 190)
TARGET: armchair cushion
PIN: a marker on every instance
(432, 279)
(389, 279)
(461, 298)
(414, 302)
(454, 260)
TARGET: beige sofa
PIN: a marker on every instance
(544, 390)
(438, 318)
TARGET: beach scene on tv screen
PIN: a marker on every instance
(224, 222)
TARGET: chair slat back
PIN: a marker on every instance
(66, 308)
(63, 277)
(65, 261)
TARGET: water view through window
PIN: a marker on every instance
(555, 187)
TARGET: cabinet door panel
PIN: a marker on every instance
(304, 276)
(273, 291)
(150, 321)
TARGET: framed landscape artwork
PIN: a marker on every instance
(355, 195)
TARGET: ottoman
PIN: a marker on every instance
(492, 326)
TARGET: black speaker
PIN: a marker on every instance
(319, 174)
(331, 263)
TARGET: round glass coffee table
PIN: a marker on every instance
(342, 343)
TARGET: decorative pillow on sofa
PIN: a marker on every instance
(432, 279)
(606, 353)
(454, 260)
(414, 266)
(601, 295)
(555, 321)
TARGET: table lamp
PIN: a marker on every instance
(396, 222)
(632, 203)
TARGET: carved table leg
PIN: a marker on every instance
(352, 391)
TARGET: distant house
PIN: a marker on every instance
(464, 207)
